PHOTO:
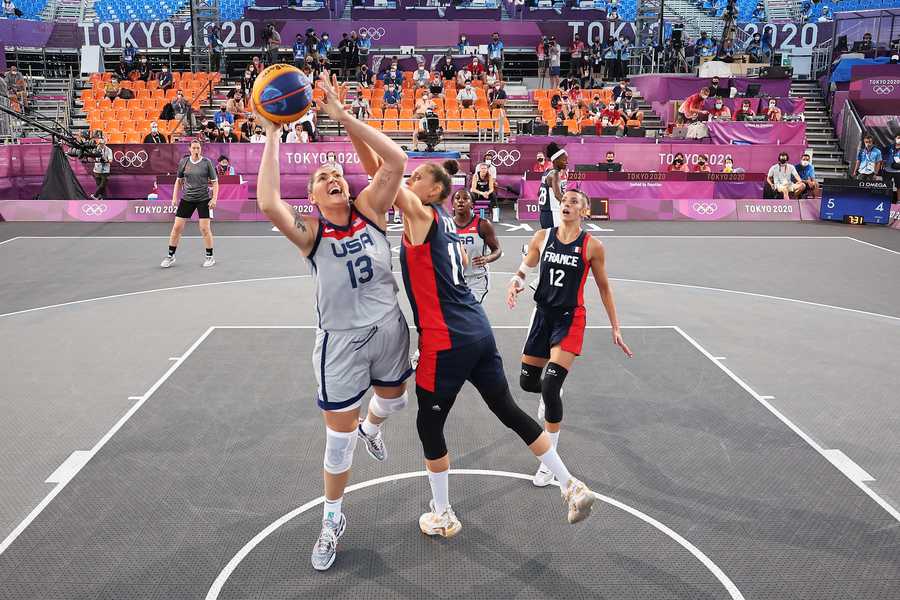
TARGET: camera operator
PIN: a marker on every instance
(271, 40)
(102, 158)
(429, 131)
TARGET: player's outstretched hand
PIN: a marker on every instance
(618, 341)
(332, 104)
(271, 129)
(512, 293)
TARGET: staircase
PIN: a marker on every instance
(695, 19)
(827, 156)
(47, 104)
(782, 10)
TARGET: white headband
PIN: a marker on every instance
(557, 154)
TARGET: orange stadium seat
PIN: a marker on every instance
(376, 123)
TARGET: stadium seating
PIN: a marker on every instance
(136, 10)
(31, 9)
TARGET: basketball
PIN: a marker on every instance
(282, 93)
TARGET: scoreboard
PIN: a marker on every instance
(855, 202)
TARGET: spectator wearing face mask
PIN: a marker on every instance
(715, 89)
(364, 77)
(423, 105)
(391, 96)
(223, 166)
(297, 135)
(891, 171)
(868, 161)
(576, 53)
(361, 108)
(155, 137)
(392, 76)
(754, 48)
(744, 112)
(227, 136)
(111, 90)
(773, 113)
(784, 179)
(720, 112)
(436, 85)
(476, 68)
(298, 50)
(466, 97)
(702, 165)
(421, 76)
(248, 127)
(629, 107)
(495, 54)
(497, 96)
(807, 174)
(679, 164)
(462, 44)
(144, 69)
(540, 163)
(620, 90)
(325, 45)
(692, 107)
(448, 70)
(236, 105)
(223, 116)
(259, 136)
(728, 166)
(164, 78)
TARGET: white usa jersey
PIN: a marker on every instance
(352, 267)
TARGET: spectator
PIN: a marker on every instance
(702, 165)
(259, 136)
(249, 79)
(332, 162)
(271, 41)
(540, 163)
(759, 13)
(10, 11)
(346, 49)
(223, 166)
(679, 164)
(364, 77)
(773, 113)
(720, 112)
(298, 135)
(181, 108)
(322, 65)
(783, 178)
(129, 54)
(420, 76)
(745, 112)
(102, 160)
(476, 68)
(610, 56)
(448, 71)
(866, 44)
(585, 74)
(621, 89)
(555, 55)
(466, 97)
(164, 78)
(436, 86)
(630, 109)
(807, 174)
(155, 137)
(361, 108)
(299, 51)
(354, 53)
(392, 76)
(692, 108)
(596, 58)
(488, 160)
(463, 76)
(754, 48)
(236, 105)
(497, 96)
(542, 58)
(727, 51)
(215, 47)
(495, 54)
(257, 66)
(610, 157)
(223, 116)
(122, 70)
(111, 90)
(227, 136)
(624, 55)
(144, 69)
(868, 161)
(490, 77)
(704, 46)
(324, 46)
(716, 90)
(482, 188)
(612, 117)
(392, 96)
(825, 16)
(364, 46)
(891, 172)
(209, 133)
(462, 44)
(728, 166)
(18, 89)
(576, 51)
(613, 15)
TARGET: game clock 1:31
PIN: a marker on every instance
(854, 220)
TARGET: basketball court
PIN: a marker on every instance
(171, 448)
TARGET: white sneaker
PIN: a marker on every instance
(167, 262)
(374, 444)
(579, 500)
(325, 550)
(210, 261)
(445, 525)
(543, 477)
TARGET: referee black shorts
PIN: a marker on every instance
(186, 209)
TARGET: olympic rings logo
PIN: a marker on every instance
(131, 159)
(704, 208)
(504, 158)
(93, 210)
(374, 33)
(882, 90)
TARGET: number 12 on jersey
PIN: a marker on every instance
(556, 277)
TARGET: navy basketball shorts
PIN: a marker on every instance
(444, 372)
(555, 327)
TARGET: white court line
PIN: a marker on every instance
(499, 234)
(9, 240)
(93, 451)
(873, 245)
(806, 438)
(235, 561)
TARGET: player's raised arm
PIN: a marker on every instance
(529, 262)
(597, 257)
(299, 229)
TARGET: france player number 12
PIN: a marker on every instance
(556, 277)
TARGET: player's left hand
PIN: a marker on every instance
(618, 341)
(512, 294)
(212, 203)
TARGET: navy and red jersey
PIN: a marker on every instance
(563, 269)
(446, 313)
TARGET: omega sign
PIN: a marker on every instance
(164, 35)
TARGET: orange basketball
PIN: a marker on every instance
(282, 93)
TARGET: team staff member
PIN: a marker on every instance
(564, 256)
(553, 186)
(476, 236)
(196, 174)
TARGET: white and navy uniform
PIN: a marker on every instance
(477, 278)
(548, 204)
(362, 337)
(559, 315)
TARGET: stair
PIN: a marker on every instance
(821, 140)
(345, 14)
(782, 10)
(695, 20)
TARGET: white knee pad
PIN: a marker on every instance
(339, 446)
(385, 407)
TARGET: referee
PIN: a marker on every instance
(196, 174)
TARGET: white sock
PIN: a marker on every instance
(554, 437)
(553, 462)
(333, 509)
(369, 428)
(440, 490)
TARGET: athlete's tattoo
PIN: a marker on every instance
(299, 222)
